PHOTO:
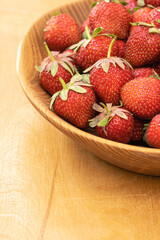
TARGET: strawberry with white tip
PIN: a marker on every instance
(74, 102)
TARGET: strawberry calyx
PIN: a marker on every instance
(143, 24)
(154, 30)
(151, 26)
(94, 4)
(155, 75)
(84, 42)
(76, 84)
(54, 59)
(107, 112)
(141, 3)
(105, 64)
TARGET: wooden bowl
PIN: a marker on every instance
(31, 52)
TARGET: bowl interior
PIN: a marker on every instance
(31, 52)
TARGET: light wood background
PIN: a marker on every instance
(50, 187)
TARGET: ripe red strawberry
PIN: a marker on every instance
(114, 18)
(107, 77)
(152, 134)
(94, 48)
(53, 67)
(142, 47)
(142, 3)
(140, 15)
(113, 123)
(121, 48)
(137, 134)
(61, 31)
(141, 96)
(154, 17)
(74, 102)
(142, 72)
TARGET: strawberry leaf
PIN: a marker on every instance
(65, 66)
(94, 121)
(120, 63)
(120, 113)
(103, 122)
(86, 43)
(73, 68)
(56, 13)
(123, 3)
(86, 78)
(158, 20)
(77, 45)
(77, 89)
(142, 24)
(96, 31)
(94, 4)
(54, 68)
(41, 67)
(97, 107)
(76, 78)
(151, 6)
(64, 94)
(141, 3)
(155, 75)
(105, 66)
(154, 30)
(53, 98)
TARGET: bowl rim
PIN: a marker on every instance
(55, 119)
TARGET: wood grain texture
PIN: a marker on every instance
(134, 158)
(50, 186)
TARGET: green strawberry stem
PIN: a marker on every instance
(49, 52)
(63, 83)
(110, 47)
(103, 105)
(88, 33)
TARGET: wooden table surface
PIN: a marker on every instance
(50, 187)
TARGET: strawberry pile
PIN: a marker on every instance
(104, 74)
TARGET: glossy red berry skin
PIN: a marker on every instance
(142, 72)
(118, 129)
(52, 84)
(108, 86)
(153, 16)
(121, 48)
(153, 132)
(137, 134)
(61, 31)
(113, 17)
(141, 96)
(96, 49)
(77, 109)
(142, 47)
